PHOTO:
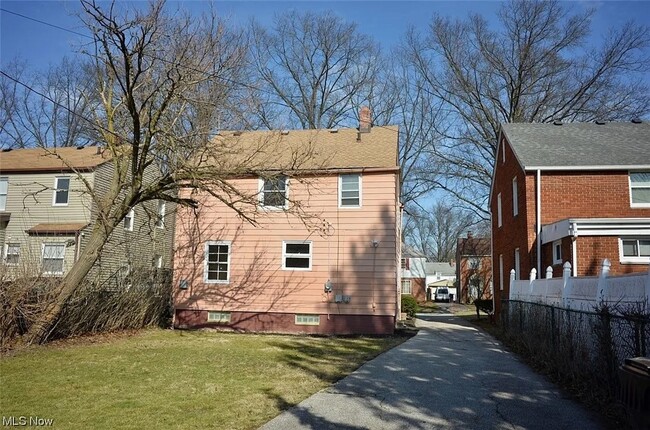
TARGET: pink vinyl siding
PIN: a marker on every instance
(341, 251)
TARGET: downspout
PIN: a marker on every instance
(538, 215)
(574, 250)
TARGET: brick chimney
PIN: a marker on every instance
(469, 234)
(365, 119)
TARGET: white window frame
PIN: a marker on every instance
(632, 204)
(410, 287)
(58, 244)
(501, 272)
(129, 217)
(6, 253)
(56, 190)
(205, 261)
(557, 257)
(286, 255)
(4, 190)
(499, 217)
(517, 264)
(515, 197)
(162, 209)
(341, 205)
(307, 319)
(271, 207)
(219, 317)
(628, 259)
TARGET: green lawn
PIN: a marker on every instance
(176, 379)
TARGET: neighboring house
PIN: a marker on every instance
(413, 276)
(575, 193)
(473, 268)
(441, 274)
(46, 217)
(279, 275)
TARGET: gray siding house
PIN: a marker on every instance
(46, 217)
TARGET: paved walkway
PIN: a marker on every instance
(449, 376)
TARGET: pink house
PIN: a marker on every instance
(322, 253)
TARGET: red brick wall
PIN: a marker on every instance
(513, 233)
(564, 195)
(418, 289)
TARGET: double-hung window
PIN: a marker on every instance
(53, 256)
(61, 191)
(635, 250)
(4, 185)
(296, 255)
(160, 221)
(515, 197)
(406, 286)
(217, 262)
(128, 220)
(640, 189)
(12, 253)
(274, 192)
(350, 191)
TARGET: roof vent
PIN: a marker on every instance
(6, 149)
(557, 122)
(600, 122)
(236, 133)
(334, 130)
(80, 147)
(284, 132)
(636, 120)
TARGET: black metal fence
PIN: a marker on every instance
(584, 348)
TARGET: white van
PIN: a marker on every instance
(442, 294)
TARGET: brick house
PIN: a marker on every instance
(577, 192)
(282, 273)
(473, 268)
(414, 274)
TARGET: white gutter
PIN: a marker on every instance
(538, 215)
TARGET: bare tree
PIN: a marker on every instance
(311, 70)
(434, 232)
(535, 68)
(163, 80)
(48, 111)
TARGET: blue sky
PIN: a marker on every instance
(386, 21)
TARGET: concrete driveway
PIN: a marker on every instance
(449, 376)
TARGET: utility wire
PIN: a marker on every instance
(228, 80)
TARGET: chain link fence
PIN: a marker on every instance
(581, 348)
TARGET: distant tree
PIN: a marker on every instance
(53, 119)
(434, 232)
(537, 67)
(311, 70)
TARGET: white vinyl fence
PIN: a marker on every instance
(584, 293)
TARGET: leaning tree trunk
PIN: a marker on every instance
(40, 330)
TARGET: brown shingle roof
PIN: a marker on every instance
(57, 228)
(308, 149)
(52, 159)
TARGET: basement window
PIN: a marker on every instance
(306, 319)
(219, 317)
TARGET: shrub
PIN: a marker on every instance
(409, 305)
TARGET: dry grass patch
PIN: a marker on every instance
(177, 379)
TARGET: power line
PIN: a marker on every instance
(170, 62)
